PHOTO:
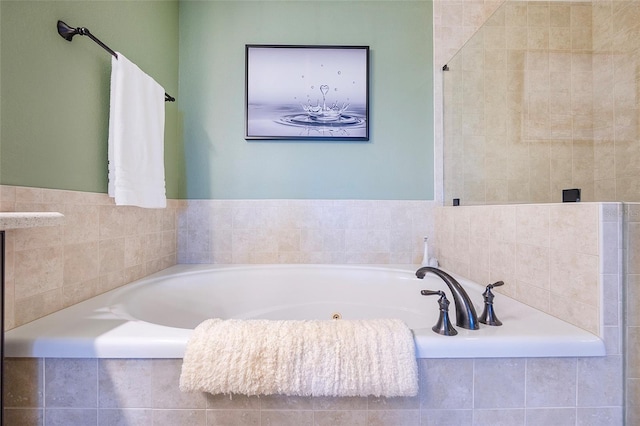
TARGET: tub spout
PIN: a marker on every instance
(466, 316)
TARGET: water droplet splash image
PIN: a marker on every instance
(323, 116)
(323, 113)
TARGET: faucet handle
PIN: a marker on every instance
(443, 326)
(488, 315)
(496, 284)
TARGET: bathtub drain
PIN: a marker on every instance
(336, 316)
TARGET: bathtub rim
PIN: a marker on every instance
(122, 340)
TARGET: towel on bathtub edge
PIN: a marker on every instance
(301, 357)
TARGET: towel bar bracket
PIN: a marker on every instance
(68, 32)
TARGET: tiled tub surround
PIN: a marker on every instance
(564, 259)
(304, 231)
(613, 25)
(560, 258)
(99, 247)
(536, 394)
(511, 391)
(508, 391)
(632, 296)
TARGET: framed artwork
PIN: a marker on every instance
(307, 92)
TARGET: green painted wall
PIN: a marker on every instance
(54, 95)
(397, 163)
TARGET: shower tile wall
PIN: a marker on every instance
(543, 98)
(304, 231)
(616, 47)
(99, 247)
(454, 22)
(613, 149)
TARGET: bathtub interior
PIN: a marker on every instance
(306, 292)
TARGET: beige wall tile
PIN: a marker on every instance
(532, 225)
(81, 262)
(37, 271)
(235, 402)
(73, 416)
(71, 383)
(302, 231)
(550, 388)
(125, 417)
(503, 223)
(34, 238)
(551, 416)
(340, 418)
(633, 254)
(50, 268)
(600, 381)
(537, 297)
(600, 416)
(34, 307)
(575, 276)
(391, 418)
(23, 378)
(112, 222)
(446, 383)
(633, 406)
(82, 223)
(564, 94)
(233, 417)
(550, 267)
(499, 384)
(577, 313)
(287, 418)
(442, 417)
(126, 383)
(179, 417)
(633, 352)
(80, 291)
(165, 392)
(24, 416)
(549, 382)
(532, 265)
(383, 403)
(633, 300)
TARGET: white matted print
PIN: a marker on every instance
(307, 92)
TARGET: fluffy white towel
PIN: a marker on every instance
(136, 137)
(308, 358)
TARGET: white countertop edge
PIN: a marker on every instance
(16, 220)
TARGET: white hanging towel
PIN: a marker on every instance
(136, 137)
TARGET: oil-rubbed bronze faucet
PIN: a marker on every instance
(466, 316)
(488, 316)
(443, 326)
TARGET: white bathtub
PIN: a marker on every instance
(153, 317)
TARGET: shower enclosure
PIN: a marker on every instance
(544, 97)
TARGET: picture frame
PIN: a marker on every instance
(306, 92)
